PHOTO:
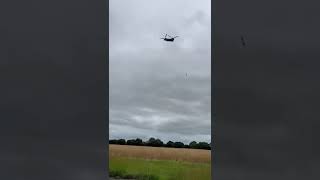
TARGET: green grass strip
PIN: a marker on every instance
(143, 169)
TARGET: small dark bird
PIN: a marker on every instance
(243, 41)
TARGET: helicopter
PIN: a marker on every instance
(169, 39)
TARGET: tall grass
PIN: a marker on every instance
(161, 153)
(159, 163)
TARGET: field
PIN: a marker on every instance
(158, 163)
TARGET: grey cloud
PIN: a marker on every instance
(154, 85)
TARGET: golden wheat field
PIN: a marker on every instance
(160, 153)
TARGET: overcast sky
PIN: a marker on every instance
(160, 89)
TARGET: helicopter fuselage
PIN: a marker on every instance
(166, 39)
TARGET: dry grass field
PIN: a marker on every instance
(161, 153)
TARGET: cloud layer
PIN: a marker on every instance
(157, 88)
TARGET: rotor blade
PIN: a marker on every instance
(176, 36)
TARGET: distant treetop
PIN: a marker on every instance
(158, 143)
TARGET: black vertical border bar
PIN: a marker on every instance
(107, 85)
(213, 92)
(54, 87)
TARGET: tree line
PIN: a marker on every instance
(158, 143)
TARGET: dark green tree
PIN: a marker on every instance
(131, 142)
(204, 145)
(193, 145)
(178, 145)
(186, 146)
(121, 141)
(170, 144)
(139, 142)
(151, 141)
(158, 143)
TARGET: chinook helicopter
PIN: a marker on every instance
(169, 39)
